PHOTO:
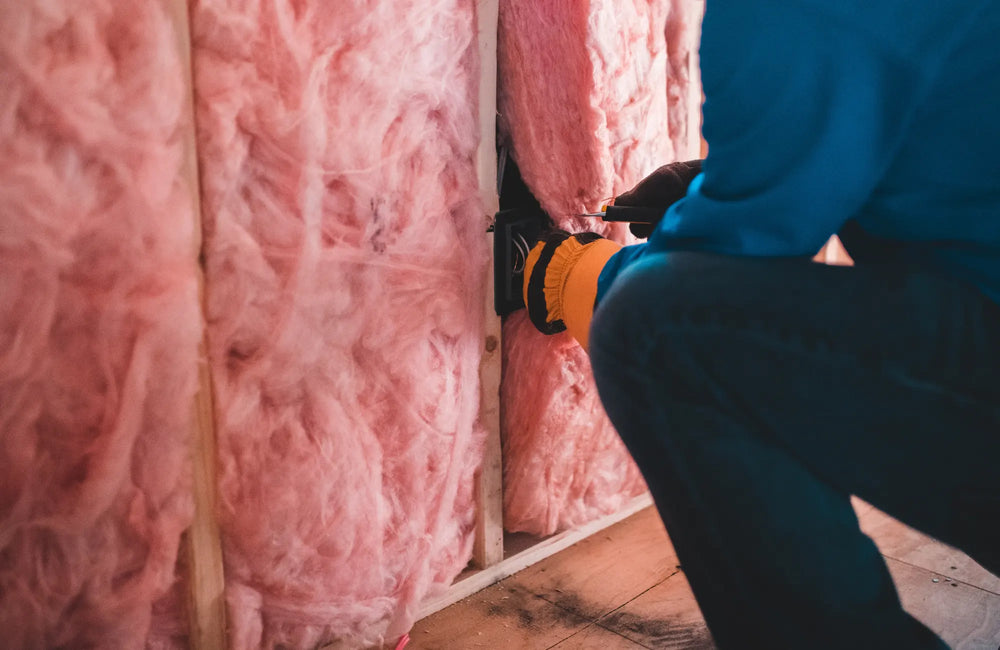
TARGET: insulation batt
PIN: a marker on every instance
(345, 256)
(593, 96)
(99, 325)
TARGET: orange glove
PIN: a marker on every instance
(561, 282)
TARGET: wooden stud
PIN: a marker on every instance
(488, 544)
(203, 541)
(488, 548)
(206, 579)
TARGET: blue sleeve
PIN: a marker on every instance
(805, 104)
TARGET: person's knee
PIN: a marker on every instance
(634, 317)
(671, 292)
(620, 311)
(642, 301)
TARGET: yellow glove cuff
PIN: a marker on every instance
(570, 271)
(579, 292)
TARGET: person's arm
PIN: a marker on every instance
(806, 103)
(561, 272)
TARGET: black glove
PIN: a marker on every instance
(661, 189)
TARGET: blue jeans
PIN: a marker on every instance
(757, 395)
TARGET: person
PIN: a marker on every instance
(757, 390)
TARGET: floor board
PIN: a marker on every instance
(595, 637)
(965, 616)
(623, 588)
(665, 616)
(606, 569)
(900, 542)
(505, 615)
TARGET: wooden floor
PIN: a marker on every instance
(623, 588)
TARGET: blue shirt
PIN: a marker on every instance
(879, 118)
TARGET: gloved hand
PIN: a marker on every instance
(561, 271)
(661, 189)
(560, 285)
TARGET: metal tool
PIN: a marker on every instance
(627, 213)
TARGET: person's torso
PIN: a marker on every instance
(939, 200)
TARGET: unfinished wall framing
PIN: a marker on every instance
(681, 108)
(189, 178)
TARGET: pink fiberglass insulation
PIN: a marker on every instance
(345, 254)
(99, 326)
(593, 96)
(563, 461)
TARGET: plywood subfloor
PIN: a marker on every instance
(623, 588)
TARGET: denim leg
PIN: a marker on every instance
(757, 395)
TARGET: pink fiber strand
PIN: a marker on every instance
(345, 254)
(99, 326)
(592, 98)
(564, 464)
